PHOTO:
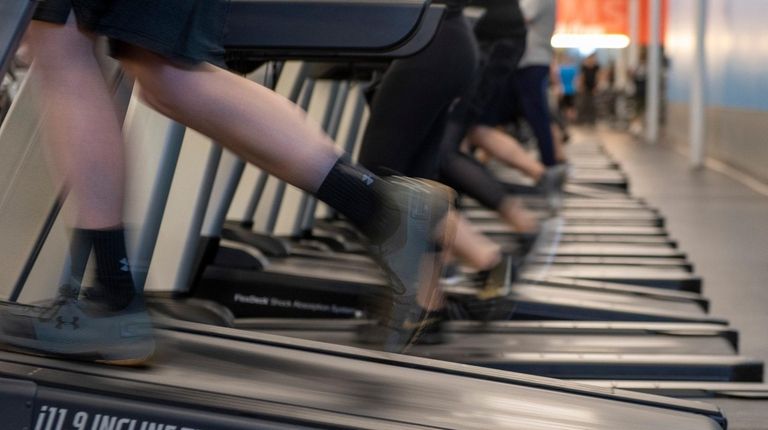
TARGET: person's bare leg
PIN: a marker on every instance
(85, 144)
(559, 141)
(503, 147)
(259, 125)
(82, 129)
(475, 249)
(517, 216)
(267, 130)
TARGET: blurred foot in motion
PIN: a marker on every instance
(416, 226)
(427, 324)
(412, 253)
(472, 248)
(551, 184)
(80, 329)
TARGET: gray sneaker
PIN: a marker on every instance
(411, 255)
(79, 330)
(551, 185)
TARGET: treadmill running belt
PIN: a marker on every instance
(242, 381)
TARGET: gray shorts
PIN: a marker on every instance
(189, 31)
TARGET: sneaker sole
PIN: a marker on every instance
(94, 357)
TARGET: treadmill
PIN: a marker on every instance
(220, 379)
(249, 292)
(228, 379)
(238, 283)
(275, 299)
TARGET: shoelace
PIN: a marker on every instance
(49, 313)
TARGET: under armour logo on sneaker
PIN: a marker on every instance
(75, 323)
(367, 179)
(125, 267)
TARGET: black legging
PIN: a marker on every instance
(465, 174)
(486, 102)
(408, 111)
(409, 127)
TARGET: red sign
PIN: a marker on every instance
(604, 17)
(593, 16)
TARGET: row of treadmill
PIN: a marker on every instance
(602, 321)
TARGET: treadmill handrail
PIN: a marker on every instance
(266, 29)
(14, 18)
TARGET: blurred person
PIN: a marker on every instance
(411, 137)
(589, 80)
(638, 76)
(409, 108)
(502, 34)
(567, 73)
(533, 74)
(426, 104)
(169, 47)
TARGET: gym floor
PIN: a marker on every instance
(723, 226)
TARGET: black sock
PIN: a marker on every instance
(355, 192)
(115, 285)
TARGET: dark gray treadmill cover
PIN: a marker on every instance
(365, 25)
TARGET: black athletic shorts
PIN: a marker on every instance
(494, 100)
(189, 31)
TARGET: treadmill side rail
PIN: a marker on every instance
(76, 410)
(16, 397)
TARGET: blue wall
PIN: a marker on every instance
(737, 52)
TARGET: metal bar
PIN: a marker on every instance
(232, 167)
(174, 137)
(186, 264)
(261, 183)
(653, 93)
(253, 203)
(308, 219)
(351, 143)
(50, 221)
(698, 86)
(277, 200)
(328, 117)
(232, 170)
(634, 34)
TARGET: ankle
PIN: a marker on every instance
(518, 217)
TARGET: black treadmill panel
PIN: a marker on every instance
(368, 25)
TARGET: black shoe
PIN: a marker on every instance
(79, 329)
(411, 255)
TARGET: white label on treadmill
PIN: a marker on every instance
(53, 418)
(295, 304)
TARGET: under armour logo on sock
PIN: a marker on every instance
(367, 179)
(75, 323)
(125, 267)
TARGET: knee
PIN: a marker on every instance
(481, 136)
(149, 78)
(479, 133)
